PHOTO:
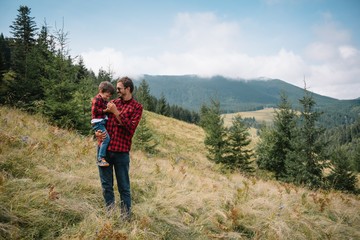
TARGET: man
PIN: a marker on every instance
(121, 126)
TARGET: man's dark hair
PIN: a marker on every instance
(106, 86)
(127, 82)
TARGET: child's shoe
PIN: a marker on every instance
(102, 163)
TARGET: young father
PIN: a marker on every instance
(121, 126)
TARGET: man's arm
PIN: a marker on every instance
(131, 120)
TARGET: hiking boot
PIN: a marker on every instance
(102, 163)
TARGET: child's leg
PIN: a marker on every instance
(104, 144)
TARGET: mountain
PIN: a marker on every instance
(190, 91)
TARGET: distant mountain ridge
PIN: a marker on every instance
(191, 91)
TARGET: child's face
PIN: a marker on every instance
(106, 96)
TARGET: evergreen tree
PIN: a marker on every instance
(26, 86)
(6, 74)
(237, 153)
(162, 107)
(82, 72)
(341, 177)
(213, 125)
(5, 55)
(276, 142)
(60, 87)
(144, 97)
(144, 138)
(306, 161)
(103, 76)
(265, 149)
(82, 103)
(355, 157)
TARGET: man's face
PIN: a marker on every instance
(120, 89)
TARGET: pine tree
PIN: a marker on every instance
(103, 76)
(6, 74)
(26, 86)
(306, 161)
(341, 177)
(213, 125)
(61, 105)
(237, 154)
(144, 97)
(275, 142)
(82, 72)
(144, 138)
(162, 107)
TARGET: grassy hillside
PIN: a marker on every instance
(49, 189)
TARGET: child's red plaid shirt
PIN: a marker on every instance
(98, 106)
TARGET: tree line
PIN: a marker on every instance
(37, 74)
(162, 107)
(294, 149)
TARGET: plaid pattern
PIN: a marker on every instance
(98, 104)
(121, 135)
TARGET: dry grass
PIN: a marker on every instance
(262, 116)
(50, 190)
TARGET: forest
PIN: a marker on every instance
(39, 76)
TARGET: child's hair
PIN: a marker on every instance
(106, 86)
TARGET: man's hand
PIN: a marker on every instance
(111, 107)
(100, 136)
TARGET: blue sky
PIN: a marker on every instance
(291, 40)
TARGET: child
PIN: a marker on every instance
(99, 118)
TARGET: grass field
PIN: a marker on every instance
(261, 116)
(50, 189)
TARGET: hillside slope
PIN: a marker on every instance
(49, 189)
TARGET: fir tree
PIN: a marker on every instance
(306, 161)
(213, 124)
(6, 74)
(237, 153)
(144, 138)
(275, 143)
(144, 97)
(341, 177)
(103, 76)
(162, 107)
(26, 86)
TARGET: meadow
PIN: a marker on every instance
(265, 116)
(50, 189)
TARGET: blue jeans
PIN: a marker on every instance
(101, 153)
(120, 162)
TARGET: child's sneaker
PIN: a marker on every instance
(102, 163)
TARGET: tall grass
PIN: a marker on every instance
(50, 189)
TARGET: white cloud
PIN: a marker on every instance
(106, 59)
(203, 44)
(321, 51)
(347, 52)
(334, 62)
(203, 33)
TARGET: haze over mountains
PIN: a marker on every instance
(190, 91)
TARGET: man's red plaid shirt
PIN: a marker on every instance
(121, 135)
